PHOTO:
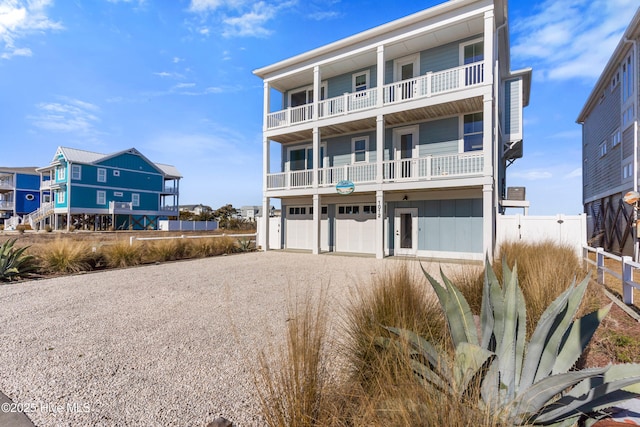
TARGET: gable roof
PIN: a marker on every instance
(75, 155)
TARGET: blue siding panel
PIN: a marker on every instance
(129, 161)
(439, 137)
(27, 182)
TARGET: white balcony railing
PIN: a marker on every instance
(120, 207)
(168, 189)
(419, 169)
(424, 86)
(7, 204)
(45, 185)
(6, 184)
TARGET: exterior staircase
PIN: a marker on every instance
(39, 214)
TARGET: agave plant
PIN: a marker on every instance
(14, 262)
(529, 382)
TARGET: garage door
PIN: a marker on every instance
(355, 228)
(299, 228)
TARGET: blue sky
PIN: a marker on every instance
(174, 80)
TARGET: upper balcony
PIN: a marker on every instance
(404, 91)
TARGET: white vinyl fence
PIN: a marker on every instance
(167, 225)
(624, 273)
(563, 229)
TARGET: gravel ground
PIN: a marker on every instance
(171, 344)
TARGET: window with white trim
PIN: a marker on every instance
(616, 138)
(627, 116)
(101, 197)
(615, 81)
(603, 148)
(473, 131)
(76, 172)
(102, 175)
(360, 149)
(360, 81)
(627, 170)
(135, 199)
(62, 173)
(60, 196)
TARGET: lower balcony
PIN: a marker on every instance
(7, 205)
(403, 170)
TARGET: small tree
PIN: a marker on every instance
(225, 214)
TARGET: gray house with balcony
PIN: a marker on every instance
(609, 121)
(395, 141)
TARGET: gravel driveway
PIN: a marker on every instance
(158, 345)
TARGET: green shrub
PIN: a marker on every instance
(14, 262)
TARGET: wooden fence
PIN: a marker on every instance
(624, 273)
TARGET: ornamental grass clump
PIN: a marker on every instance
(527, 381)
(65, 256)
(122, 254)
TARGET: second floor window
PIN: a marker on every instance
(361, 81)
(60, 196)
(101, 197)
(102, 175)
(359, 149)
(473, 132)
(135, 199)
(62, 173)
(76, 172)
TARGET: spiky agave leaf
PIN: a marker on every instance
(457, 311)
(577, 338)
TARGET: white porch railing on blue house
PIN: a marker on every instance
(449, 166)
(624, 274)
(406, 90)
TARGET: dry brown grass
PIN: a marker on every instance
(64, 256)
(292, 389)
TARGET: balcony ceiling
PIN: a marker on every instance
(395, 47)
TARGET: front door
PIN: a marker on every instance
(406, 231)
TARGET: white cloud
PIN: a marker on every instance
(237, 18)
(532, 175)
(20, 19)
(323, 15)
(566, 39)
(168, 75)
(176, 59)
(576, 173)
(70, 115)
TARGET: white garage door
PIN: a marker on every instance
(355, 228)
(299, 228)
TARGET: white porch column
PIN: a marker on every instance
(379, 224)
(379, 148)
(380, 75)
(489, 135)
(316, 157)
(488, 221)
(317, 91)
(264, 224)
(315, 248)
(266, 99)
(489, 43)
(264, 231)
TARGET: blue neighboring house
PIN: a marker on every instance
(19, 193)
(94, 191)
